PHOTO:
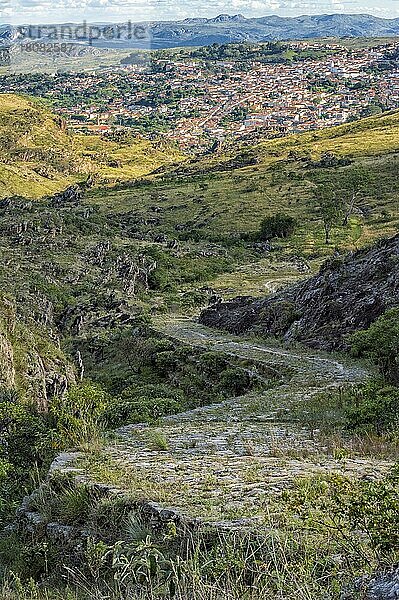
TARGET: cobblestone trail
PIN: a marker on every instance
(223, 460)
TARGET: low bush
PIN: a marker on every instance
(234, 381)
(79, 417)
(373, 406)
(380, 343)
(23, 432)
(360, 514)
(27, 445)
(277, 226)
(140, 406)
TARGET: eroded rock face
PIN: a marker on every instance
(7, 371)
(381, 586)
(348, 294)
(7, 321)
(384, 587)
(37, 373)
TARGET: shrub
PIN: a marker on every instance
(140, 409)
(380, 342)
(234, 381)
(213, 362)
(79, 417)
(358, 511)
(277, 226)
(23, 433)
(373, 406)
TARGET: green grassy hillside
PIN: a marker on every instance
(209, 203)
(219, 196)
(39, 157)
(87, 344)
(367, 137)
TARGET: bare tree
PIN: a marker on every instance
(354, 185)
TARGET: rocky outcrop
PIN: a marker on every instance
(30, 360)
(72, 195)
(384, 586)
(380, 586)
(348, 294)
(7, 324)
(7, 371)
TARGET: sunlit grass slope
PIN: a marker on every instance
(39, 157)
(231, 192)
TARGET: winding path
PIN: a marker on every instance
(220, 462)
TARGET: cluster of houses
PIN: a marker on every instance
(294, 97)
(195, 102)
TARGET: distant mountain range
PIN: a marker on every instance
(237, 28)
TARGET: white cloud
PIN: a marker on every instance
(53, 11)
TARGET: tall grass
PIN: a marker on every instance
(233, 567)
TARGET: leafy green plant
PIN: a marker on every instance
(140, 409)
(380, 342)
(277, 226)
(26, 556)
(79, 417)
(157, 440)
(373, 405)
(23, 431)
(234, 381)
(363, 515)
(26, 444)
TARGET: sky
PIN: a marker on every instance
(56, 11)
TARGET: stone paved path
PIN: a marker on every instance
(223, 461)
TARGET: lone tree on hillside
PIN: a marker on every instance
(277, 226)
(354, 185)
(330, 207)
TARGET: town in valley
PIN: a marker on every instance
(198, 98)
